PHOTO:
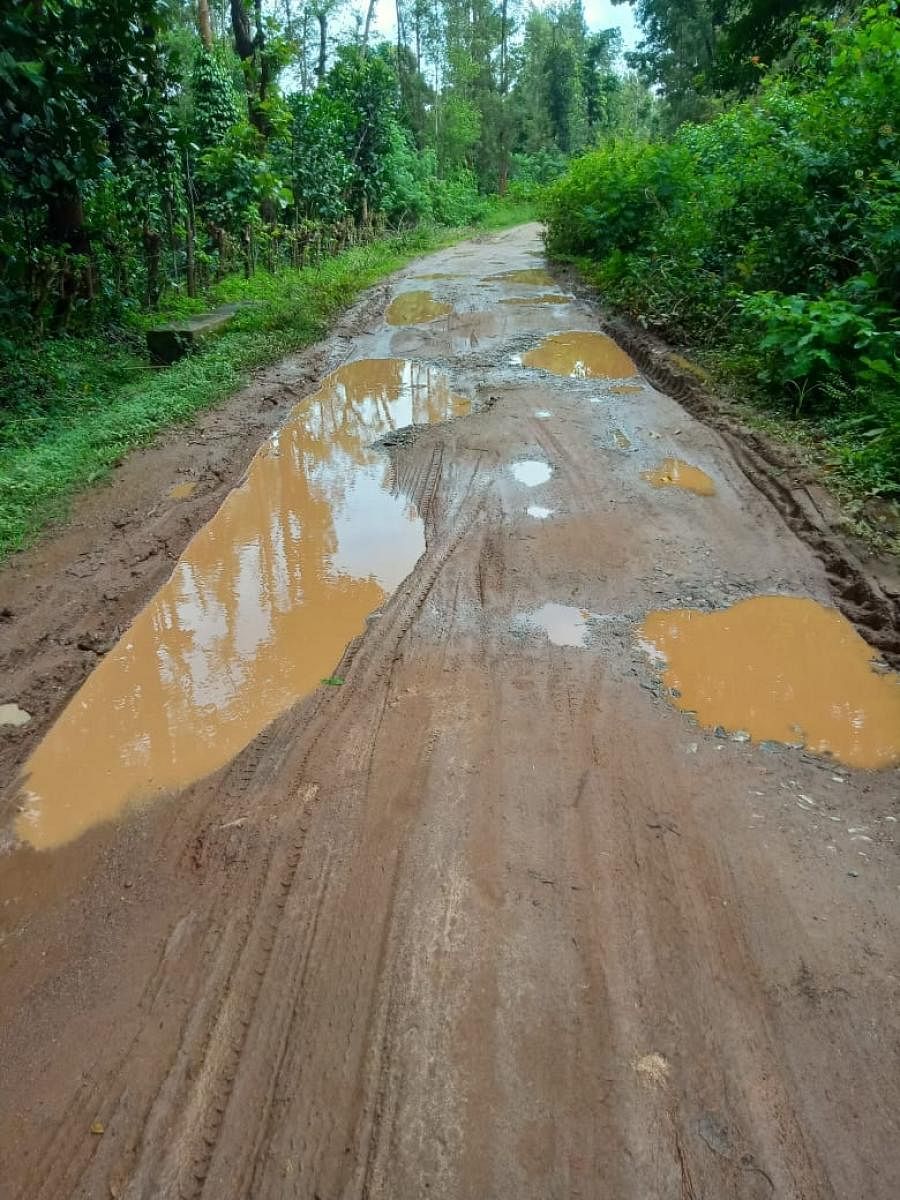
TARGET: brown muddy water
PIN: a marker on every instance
(581, 355)
(537, 276)
(673, 472)
(545, 298)
(258, 610)
(625, 389)
(783, 669)
(416, 308)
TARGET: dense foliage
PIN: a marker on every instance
(771, 231)
(151, 147)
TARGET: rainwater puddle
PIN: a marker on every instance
(439, 275)
(531, 471)
(563, 624)
(784, 669)
(621, 440)
(539, 512)
(257, 611)
(546, 298)
(581, 355)
(416, 308)
(673, 472)
(538, 276)
(183, 491)
(625, 389)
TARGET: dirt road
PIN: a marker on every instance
(485, 916)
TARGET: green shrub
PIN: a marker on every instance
(773, 230)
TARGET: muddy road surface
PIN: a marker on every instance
(483, 800)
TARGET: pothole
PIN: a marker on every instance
(531, 471)
(674, 472)
(258, 610)
(416, 308)
(781, 669)
(581, 355)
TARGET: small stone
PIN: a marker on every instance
(675, 693)
(720, 732)
(770, 747)
(853, 874)
(97, 1128)
(740, 735)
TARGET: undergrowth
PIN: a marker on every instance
(771, 237)
(72, 407)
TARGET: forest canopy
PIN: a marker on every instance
(154, 144)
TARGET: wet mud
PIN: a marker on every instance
(783, 669)
(490, 840)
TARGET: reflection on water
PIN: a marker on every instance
(537, 276)
(673, 472)
(783, 669)
(531, 471)
(544, 298)
(563, 624)
(581, 354)
(415, 308)
(257, 611)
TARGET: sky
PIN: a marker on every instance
(599, 14)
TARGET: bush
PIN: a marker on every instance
(773, 229)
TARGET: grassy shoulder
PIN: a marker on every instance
(72, 407)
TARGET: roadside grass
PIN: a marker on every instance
(72, 407)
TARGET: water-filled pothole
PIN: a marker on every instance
(416, 308)
(531, 471)
(581, 355)
(674, 472)
(544, 298)
(257, 611)
(783, 669)
(563, 624)
(537, 276)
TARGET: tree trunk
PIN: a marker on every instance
(365, 37)
(66, 228)
(322, 18)
(204, 23)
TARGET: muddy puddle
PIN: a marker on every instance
(531, 471)
(438, 275)
(545, 298)
(625, 389)
(563, 624)
(416, 308)
(257, 611)
(536, 276)
(581, 355)
(781, 669)
(673, 472)
(621, 440)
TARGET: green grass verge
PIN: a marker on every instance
(72, 407)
